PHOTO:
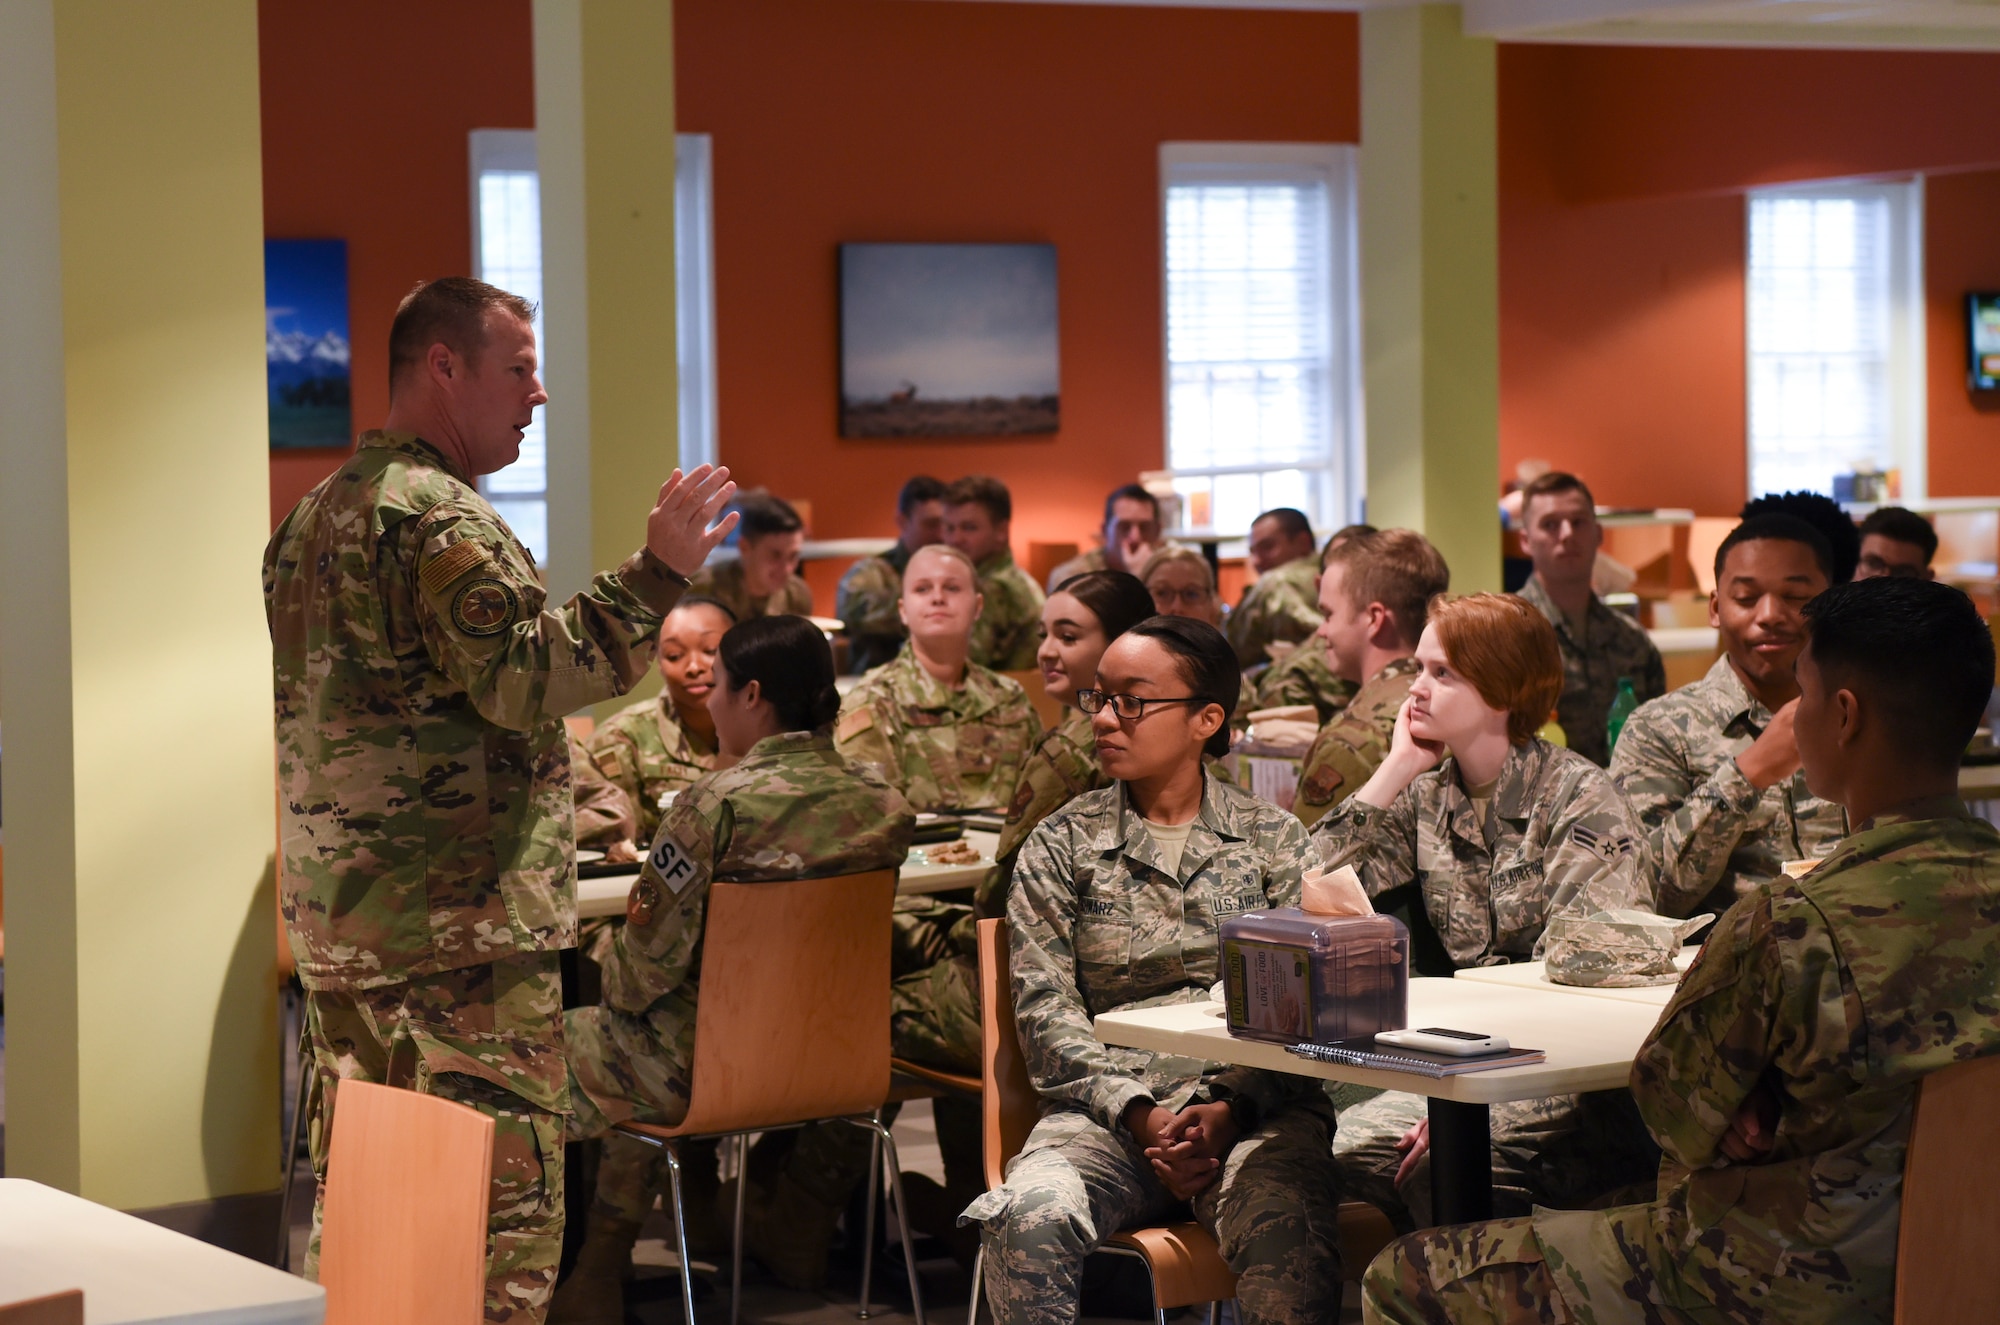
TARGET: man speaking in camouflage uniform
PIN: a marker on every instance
(1376, 591)
(1600, 647)
(421, 678)
(1712, 770)
(1782, 1079)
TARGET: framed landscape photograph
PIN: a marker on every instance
(305, 342)
(948, 340)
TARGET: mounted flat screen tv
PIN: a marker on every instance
(1982, 341)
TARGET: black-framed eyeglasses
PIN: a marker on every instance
(1128, 706)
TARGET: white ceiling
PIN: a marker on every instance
(1861, 24)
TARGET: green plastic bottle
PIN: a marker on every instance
(1621, 709)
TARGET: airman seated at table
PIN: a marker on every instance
(1131, 534)
(1782, 1078)
(764, 578)
(1306, 675)
(1116, 902)
(1600, 647)
(1183, 584)
(1896, 542)
(873, 586)
(1500, 833)
(944, 730)
(660, 745)
(1376, 592)
(605, 815)
(978, 521)
(1281, 607)
(1712, 770)
(789, 807)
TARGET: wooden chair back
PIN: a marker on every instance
(55, 1309)
(793, 1019)
(408, 1182)
(1009, 1104)
(1951, 1197)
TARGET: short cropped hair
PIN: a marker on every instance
(982, 490)
(703, 600)
(1551, 483)
(764, 515)
(1901, 526)
(1341, 535)
(1843, 540)
(917, 491)
(1507, 649)
(1290, 520)
(1171, 553)
(1783, 528)
(450, 311)
(1915, 650)
(1131, 492)
(1398, 568)
(943, 550)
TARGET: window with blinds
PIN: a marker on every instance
(1261, 329)
(507, 252)
(1835, 336)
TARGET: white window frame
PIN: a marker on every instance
(694, 282)
(1339, 481)
(509, 150)
(1907, 408)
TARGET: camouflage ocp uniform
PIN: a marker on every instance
(1097, 923)
(1306, 676)
(1281, 607)
(1838, 993)
(791, 809)
(1009, 627)
(604, 813)
(724, 583)
(644, 749)
(1560, 842)
(944, 749)
(1712, 836)
(1353, 745)
(868, 601)
(426, 816)
(1610, 645)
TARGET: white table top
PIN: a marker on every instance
(606, 896)
(133, 1271)
(1535, 975)
(1590, 1045)
(1978, 782)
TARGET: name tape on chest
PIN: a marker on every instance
(672, 864)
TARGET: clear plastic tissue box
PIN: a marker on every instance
(1290, 975)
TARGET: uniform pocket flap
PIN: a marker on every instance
(535, 1072)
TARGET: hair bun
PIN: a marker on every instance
(825, 705)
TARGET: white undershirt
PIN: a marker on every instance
(1171, 839)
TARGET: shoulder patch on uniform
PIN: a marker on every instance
(485, 606)
(671, 863)
(853, 722)
(451, 565)
(1608, 846)
(1320, 785)
(610, 761)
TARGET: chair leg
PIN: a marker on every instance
(901, 1208)
(292, 1134)
(1215, 1313)
(868, 1224)
(978, 1274)
(680, 1230)
(736, 1253)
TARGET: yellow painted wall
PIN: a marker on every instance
(155, 954)
(1430, 285)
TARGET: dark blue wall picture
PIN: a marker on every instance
(305, 342)
(942, 340)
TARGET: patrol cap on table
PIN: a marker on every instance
(1621, 949)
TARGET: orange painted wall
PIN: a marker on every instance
(1622, 246)
(366, 105)
(905, 120)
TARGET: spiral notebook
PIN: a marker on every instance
(1362, 1051)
